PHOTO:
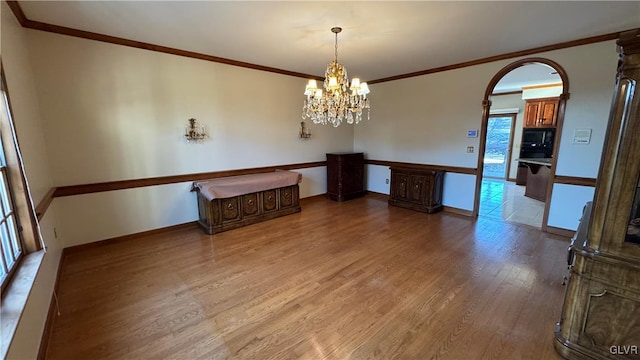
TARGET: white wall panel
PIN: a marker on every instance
(566, 205)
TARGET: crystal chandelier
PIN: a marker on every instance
(339, 101)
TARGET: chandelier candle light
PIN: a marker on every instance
(339, 101)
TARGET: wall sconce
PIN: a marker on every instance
(193, 132)
(304, 132)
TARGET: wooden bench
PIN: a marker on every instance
(231, 202)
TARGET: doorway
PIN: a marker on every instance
(497, 194)
(499, 142)
(501, 199)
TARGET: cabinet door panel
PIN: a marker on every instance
(400, 186)
(418, 185)
(549, 113)
(531, 114)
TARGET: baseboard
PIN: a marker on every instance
(51, 314)
(455, 210)
(73, 249)
(314, 197)
(560, 231)
(511, 179)
(376, 193)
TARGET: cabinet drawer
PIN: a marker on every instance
(250, 205)
(230, 209)
(270, 200)
(287, 197)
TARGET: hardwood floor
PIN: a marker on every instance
(357, 280)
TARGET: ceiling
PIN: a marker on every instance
(380, 39)
(527, 75)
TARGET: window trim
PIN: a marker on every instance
(23, 210)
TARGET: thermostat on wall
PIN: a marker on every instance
(472, 133)
(581, 136)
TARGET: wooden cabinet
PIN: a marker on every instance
(345, 176)
(541, 112)
(601, 313)
(537, 181)
(521, 174)
(416, 188)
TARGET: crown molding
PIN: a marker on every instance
(37, 25)
(562, 45)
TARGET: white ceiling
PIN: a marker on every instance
(380, 39)
(527, 75)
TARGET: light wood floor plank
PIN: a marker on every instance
(351, 280)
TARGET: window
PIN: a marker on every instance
(19, 233)
(10, 244)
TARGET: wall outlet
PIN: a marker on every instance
(386, 181)
(470, 149)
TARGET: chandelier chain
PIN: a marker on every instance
(336, 47)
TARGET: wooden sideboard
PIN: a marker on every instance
(416, 189)
(345, 176)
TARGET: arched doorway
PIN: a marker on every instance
(486, 113)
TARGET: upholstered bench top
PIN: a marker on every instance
(244, 184)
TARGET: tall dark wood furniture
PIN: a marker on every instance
(601, 313)
(345, 176)
(416, 188)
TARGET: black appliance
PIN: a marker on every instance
(537, 143)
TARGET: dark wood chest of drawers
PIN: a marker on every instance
(345, 176)
(416, 189)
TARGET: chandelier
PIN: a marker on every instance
(339, 101)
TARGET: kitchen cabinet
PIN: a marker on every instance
(541, 112)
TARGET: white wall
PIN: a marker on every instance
(424, 119)
(591, 70)
(458, 191)
(26, 116)
(575, 197)
(115, 113)
(378, 178)
(508, 102)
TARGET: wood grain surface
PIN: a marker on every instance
(356, 279)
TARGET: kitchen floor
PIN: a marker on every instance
(504, 200)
